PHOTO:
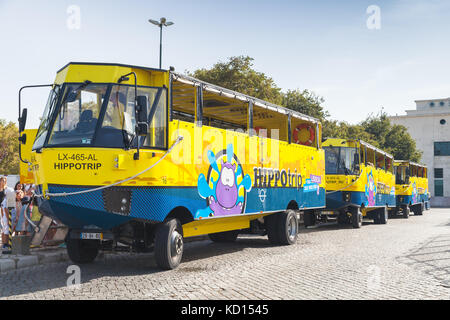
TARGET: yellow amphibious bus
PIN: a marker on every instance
(411, 188)
(360, 181)
(147, 157)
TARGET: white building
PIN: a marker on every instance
(429, 125)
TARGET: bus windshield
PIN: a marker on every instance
(77, 117)
(401, 175)
(341, 160)
(45, 120)
(103, 115)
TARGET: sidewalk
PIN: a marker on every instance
(37, 256)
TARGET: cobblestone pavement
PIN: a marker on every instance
(405, 259)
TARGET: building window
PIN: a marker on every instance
(431, 104)
(438, 173)
(442, 121)
(441, 103)
(442, 148)
(438, 188)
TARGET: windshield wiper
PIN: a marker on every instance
(73, 93)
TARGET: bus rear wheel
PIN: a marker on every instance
(282, 227)
(82, 251)
(405, 212)
(356, 217)
(383, 215)
(169, 244)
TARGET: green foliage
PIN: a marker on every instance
(378, 131)
(400, 144)
(305, 102)
(238, 74)
(9, 148)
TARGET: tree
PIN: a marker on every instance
(238, 74)
(399, 143)
(305, 102)
(9, 148)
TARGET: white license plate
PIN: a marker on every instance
(91, 236)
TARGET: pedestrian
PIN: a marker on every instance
(11, 204)
(22, 222)
(19, 196)
(4, 213)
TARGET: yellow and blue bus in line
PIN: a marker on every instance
(360, 181)
(146, 157)
(411, 188)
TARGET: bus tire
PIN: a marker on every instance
(287, 228)
(419, 209)
(309, 218)
(343, 218)
(356, 218)
(405, 212)
(82, 251)
(169, 244)
(271, 222)
(227, 236)
(383, 215)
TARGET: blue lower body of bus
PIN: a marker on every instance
(115, 206)
(342, 199)
(405, 200)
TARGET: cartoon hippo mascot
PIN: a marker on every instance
(223, 198)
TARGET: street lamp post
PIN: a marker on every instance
(162, 22)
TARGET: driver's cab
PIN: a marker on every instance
(98, 117)
(342, 157)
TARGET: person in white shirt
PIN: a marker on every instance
(4, 212)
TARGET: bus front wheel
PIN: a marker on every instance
(169, 244)
(82, 251)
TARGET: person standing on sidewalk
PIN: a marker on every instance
(5, 214)
(11, 204)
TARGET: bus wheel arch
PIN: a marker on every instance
(181, 213)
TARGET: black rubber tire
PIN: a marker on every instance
(271, 222)
(309, 219)
(169, 244)
(343, 218)
(356, 217)
(287, 227)
(227, 236)
(82, 251)
(420, 209)
(405, 212)
(383, 214)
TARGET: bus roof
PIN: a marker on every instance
(240, 96)
(410, 162)
(208, 87)
(362, 143)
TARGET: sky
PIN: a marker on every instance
(360, 56)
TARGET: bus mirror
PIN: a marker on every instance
(141, 116)
(141, 111)
(23, 120)
(23, 138)
(71, 96)
(142, 129)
